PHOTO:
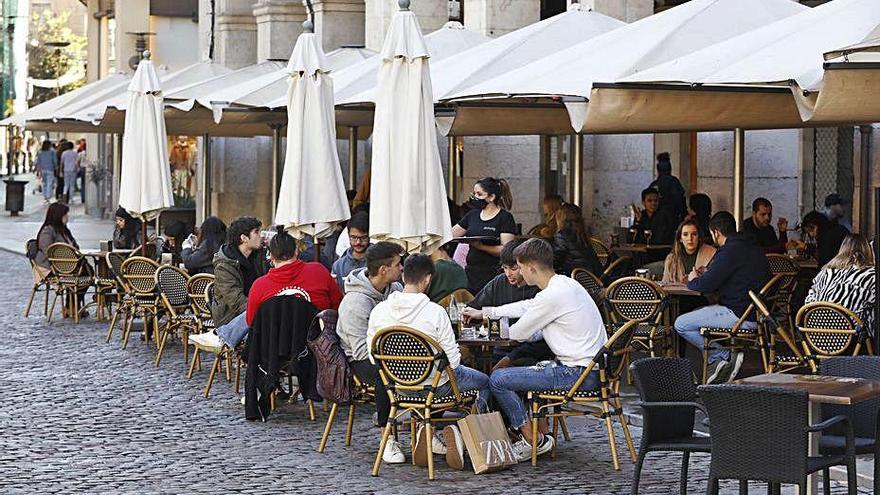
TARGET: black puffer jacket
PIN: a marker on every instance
(570, 252)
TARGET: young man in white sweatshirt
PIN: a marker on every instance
(412, 308)
(571, 326)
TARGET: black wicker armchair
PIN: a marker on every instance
(762, 434)
(668, 401)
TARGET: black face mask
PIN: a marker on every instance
(477, 203)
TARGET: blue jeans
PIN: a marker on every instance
(468, 379)
(688, 326)
(69, 184)
(48, 184)
(505, 384)
(234, 331)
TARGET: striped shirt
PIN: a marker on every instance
(853, 288)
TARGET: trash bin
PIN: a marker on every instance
(15, 196)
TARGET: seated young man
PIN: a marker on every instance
(364, 289)
(739, 266)
(507, 288)
(356, 256)
(236, 265)
(288, 276)
(412, 308)
(572, 327)
(448, 277)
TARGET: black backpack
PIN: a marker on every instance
(31, 249)
(334, 375)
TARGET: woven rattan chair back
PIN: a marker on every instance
(602, 251)
(405, 356)
(172, 283)
(828, 329)
(140, 274)
(758, 433)
(114, 263)
(65, 260)
(460, 295)
(590, 282)
(864, 414)
(616, 350)
(635, 298)
(788, 269)
(197, 287)
(666, 380)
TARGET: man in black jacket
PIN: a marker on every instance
(758, 227)
(504, 289)
(738, 267)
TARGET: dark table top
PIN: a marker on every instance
(640, 248)
(822, 389)
(488, 343)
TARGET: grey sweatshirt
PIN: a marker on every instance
(354, 313)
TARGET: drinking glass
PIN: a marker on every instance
(648, 234)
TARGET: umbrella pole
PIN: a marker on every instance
(277, 165)
(577, 191)
(739, 174)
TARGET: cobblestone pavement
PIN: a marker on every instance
(82, 416)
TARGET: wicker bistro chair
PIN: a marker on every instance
(593, 285)
(603, 402)
(107, 286)
(460, 295)
(172, 283)
(780, 304)
(668, 400)
(122, 290)
(761, 434)
(828, 329)
(201, 304)
(70, 276)
(361, 393)
(642, 300)
(44, 284)
(602, 251)
(142, 300)
(411, 366)
(864, 416)
(621, 266)
(781, 345)
(739, 337)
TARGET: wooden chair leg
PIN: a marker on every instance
(311, 404)
(237, 374)
(350, 426)
(621, 417)
(162, 342)
(555, 435)
(128, 322)
(377, 464)
(429, 438)
(327, 428)
(112, 324)
(211, 376)
(75, 300)
(534, 440)
(564, 425)
(192, 365)
(27, 310)
(228, 358)
(608, 425)
(54, 300)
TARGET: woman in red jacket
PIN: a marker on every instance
(292, 276)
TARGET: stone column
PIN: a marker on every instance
(235, 33)
(498, 17)
(279, 23)
(134, 18)
(432, 15)
(625, 10)
(340, 22)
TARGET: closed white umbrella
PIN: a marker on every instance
(312, 196)
(408, 195)
(145, 185)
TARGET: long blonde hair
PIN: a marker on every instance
(675, 262)
(854, 252)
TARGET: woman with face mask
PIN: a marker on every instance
(489, 217)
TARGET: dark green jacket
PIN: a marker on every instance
(230, 299)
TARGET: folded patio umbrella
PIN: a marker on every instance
(312, 196)
(145, 185)
(408, 195)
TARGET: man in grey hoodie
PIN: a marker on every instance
(364, 289)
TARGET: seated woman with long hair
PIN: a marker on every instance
(571, 244)
(689, 254)
(848, 280)
(199, 257)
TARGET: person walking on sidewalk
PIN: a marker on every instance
(46, 163)
(70, 169)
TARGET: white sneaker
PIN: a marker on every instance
(206, 340)
(454, 447)
(392, 453)
(737, 362)
(523, 449)
(437, 445)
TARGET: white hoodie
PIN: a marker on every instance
(419, 313)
